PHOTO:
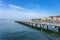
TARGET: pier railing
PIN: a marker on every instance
(54, 24)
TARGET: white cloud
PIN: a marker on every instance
(13, 12)
(14, 7)
(2, 4)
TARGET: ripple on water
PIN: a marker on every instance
(9, 30)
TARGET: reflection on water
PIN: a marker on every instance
(9, 30)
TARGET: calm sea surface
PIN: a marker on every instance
(9, 30)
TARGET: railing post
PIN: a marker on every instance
(35, 24)
(32, 24)
(40, 25)
(47, 26)
(43, 25)
(58, 29)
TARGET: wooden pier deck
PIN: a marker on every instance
(41, 22)
(54, 24)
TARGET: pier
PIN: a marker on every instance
(42, 24)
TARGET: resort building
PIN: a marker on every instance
(44, 19)
(57, 18)
(54, 18)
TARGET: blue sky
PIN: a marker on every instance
(27, 9)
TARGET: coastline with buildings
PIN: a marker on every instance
(50, 18)
(49, 24)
